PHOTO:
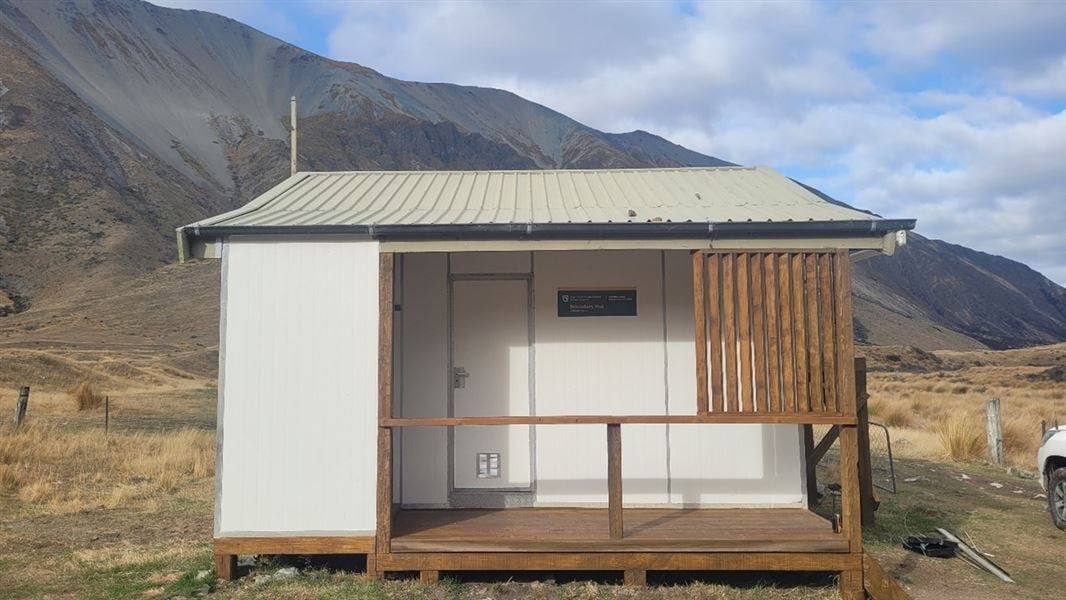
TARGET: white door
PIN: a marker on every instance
(491, 377)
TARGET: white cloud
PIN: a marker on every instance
(948, 112)
(907, 109)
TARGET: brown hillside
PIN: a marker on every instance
(121, 120)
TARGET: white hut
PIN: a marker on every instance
(438, 369)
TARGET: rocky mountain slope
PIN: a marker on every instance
(120, 120)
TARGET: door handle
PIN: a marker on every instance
(459, 376)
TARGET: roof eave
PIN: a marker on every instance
(690, 230)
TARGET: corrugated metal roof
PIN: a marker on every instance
(419, 198)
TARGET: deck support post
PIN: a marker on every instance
(614, 479)
(851, 585)
(383, 532)
(429, 577)
(851, 580)
(635, 577)
(226, 566)
(869, 502)
(372, 567)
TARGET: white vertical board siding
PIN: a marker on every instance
(743, 465)
(299, 387)
(599, 365)
(424, 351)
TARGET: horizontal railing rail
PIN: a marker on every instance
(711, 418)
(614, 440)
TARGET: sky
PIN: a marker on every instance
(952, 113)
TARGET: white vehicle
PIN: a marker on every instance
(1051, 461)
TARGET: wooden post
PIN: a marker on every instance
(995, 432)
(614, 479)
(21, 405)
(635, 577)
(383, 541)
(851, 583)
(714, 324)
(866, 479)
(879, 584)
(811, 466)
(107, 415)
(429, 577)
(371, 566)
(699, 305)
(226, 566)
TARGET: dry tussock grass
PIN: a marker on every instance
(942, 413)
(961, 437)
(68, 470)
(86, 396)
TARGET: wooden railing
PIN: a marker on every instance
(773, 333)
(773, 345)
(614, 439)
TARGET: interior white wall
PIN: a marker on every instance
(424, 351)
(599, 366)
(595, 365)
(748, 464)
(298, 387)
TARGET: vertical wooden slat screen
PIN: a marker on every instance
(699, 302)
(773, 335)
(744, 333)
(714, 296)
(729, 325)
(788, 359)
(799, 321)
(774, 332)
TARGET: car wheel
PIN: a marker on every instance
(1056, 497)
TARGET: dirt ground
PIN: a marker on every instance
(129, 515)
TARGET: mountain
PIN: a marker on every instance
(120, 120)
(993, 301)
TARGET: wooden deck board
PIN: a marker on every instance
(587, 530)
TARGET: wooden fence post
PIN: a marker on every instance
(995, 432)
(107, 415)
(20, 406)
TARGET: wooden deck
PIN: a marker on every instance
(588, 530)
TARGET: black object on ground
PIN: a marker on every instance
(931, 546)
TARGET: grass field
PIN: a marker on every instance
(937, 410)
(128, 514)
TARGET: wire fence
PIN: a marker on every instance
(882, 467)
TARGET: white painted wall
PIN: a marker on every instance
(424, 389)
(596, 365)
(599, 366)
(298, 387)
(742, 465)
